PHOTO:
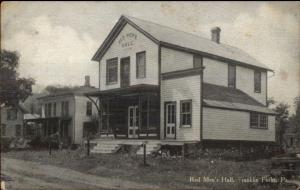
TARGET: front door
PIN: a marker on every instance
(170, 120)
(125, 72)
(133, 121)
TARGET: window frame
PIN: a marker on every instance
(54, 109)
(108, 66)
(195, 57)
(260, 117)
(89, 112)
(255, 74)
(234, 81)
(137, 65)
(190, 112)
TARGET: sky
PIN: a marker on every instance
(56, 40)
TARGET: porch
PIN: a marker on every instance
(45, 127)
(128, 113)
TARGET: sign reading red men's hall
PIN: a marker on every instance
(127, 40)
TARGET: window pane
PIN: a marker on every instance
(141, 64)
(263, 121)
(231, 76)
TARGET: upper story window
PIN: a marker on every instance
(89, 108)
(186, 113)
(64, 108)
(112, 71)
(257, 81)
(141, 65)
(231, 76)
(258, 120)
(54, 109)
(12, 114)
(197, 61)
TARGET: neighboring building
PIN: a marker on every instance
(160, 83)
(65, 113)
(12, 121)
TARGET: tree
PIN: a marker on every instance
(12, 87)
(282, 110)
(295, 118)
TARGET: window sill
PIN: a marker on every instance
(111, 83)
(186, 126)
(254, 127)
(141, 77)
(257, 92)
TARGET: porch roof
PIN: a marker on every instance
(130, 90)
(41, 119)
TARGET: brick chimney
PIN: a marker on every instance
(215, 34)
(87, 81)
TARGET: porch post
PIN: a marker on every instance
(100, 112)
(148, 113)
(140, 114)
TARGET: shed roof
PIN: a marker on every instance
(231, 98)
(169, 36)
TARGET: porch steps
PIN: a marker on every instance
(106, 147)
(150, 148)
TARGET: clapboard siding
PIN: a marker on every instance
(142, 43)
(173, 60)
(216, 72)
(81, 117)
(245, 82)
(221, 124)
(182, 89)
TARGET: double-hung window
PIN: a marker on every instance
(257, 81)
(186, 113)
(112, 71)
(231, 76)
(197, 61)
(88, 108)
(141, 65)
(258, 120)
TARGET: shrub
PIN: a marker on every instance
(5, 142)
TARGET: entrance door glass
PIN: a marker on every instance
(133, 121)
(125, 72)
(170, 120)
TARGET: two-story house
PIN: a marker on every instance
(12, 120)
(65, 113)
(157, 82)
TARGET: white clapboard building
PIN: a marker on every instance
(160, 83)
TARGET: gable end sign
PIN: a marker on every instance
(127, 40)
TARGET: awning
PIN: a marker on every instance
(131, 90)
(39, 120)
(238, 106)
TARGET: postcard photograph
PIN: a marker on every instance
(150, 95)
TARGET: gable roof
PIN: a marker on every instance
(167, 36)
(231, 98)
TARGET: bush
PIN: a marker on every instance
(5, 142)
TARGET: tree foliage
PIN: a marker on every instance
(52, 89)
(13, 88)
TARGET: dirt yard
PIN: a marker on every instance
(120, 169)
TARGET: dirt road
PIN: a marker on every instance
(32, 175)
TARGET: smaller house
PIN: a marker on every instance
(12, 121)
(65, 113)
